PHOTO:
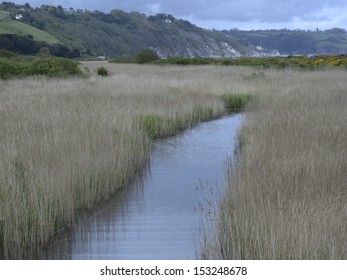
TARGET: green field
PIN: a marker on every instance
(8, 26)
(325, 39)
(4, 15)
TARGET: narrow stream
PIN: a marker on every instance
(158, 216)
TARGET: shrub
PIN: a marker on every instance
(188, 61)
(9, 69)
(7, 54)
(102, 71)
(44, 52)
(146, 56)
(54, 67)
(51, 67)
(130, 59)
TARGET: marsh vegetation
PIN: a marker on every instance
(67, 144)
(287, 191)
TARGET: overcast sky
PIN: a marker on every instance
(227, 14)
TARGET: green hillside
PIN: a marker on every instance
(121, 34)
(9, 26)
(332, 41)
(4, 15)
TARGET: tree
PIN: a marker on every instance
(145, 56)
(44, 52)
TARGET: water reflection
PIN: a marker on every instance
(159, 215)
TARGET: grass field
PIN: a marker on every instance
(66, 144)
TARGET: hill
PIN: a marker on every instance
(118, 33)
(292, 42)
(9, 25)
(121, 34)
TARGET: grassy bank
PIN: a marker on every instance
(66, 144)
(287, 192)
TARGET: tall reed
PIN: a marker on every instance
(67, 144)
(287, 191)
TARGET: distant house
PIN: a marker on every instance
(102, 57)
(19, 16)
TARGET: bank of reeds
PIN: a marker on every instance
(287, 190)
(66, 144)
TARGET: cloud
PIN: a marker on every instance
(152, 8)
(267, 14)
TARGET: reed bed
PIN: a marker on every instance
(67, 144)
(287, 190)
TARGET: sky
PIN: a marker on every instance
(227, 14)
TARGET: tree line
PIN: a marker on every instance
(26, 45)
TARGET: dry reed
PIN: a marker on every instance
(287, 191)
(67, 144)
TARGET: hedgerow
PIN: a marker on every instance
(50, 67)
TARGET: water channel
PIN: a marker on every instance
(158, 216)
